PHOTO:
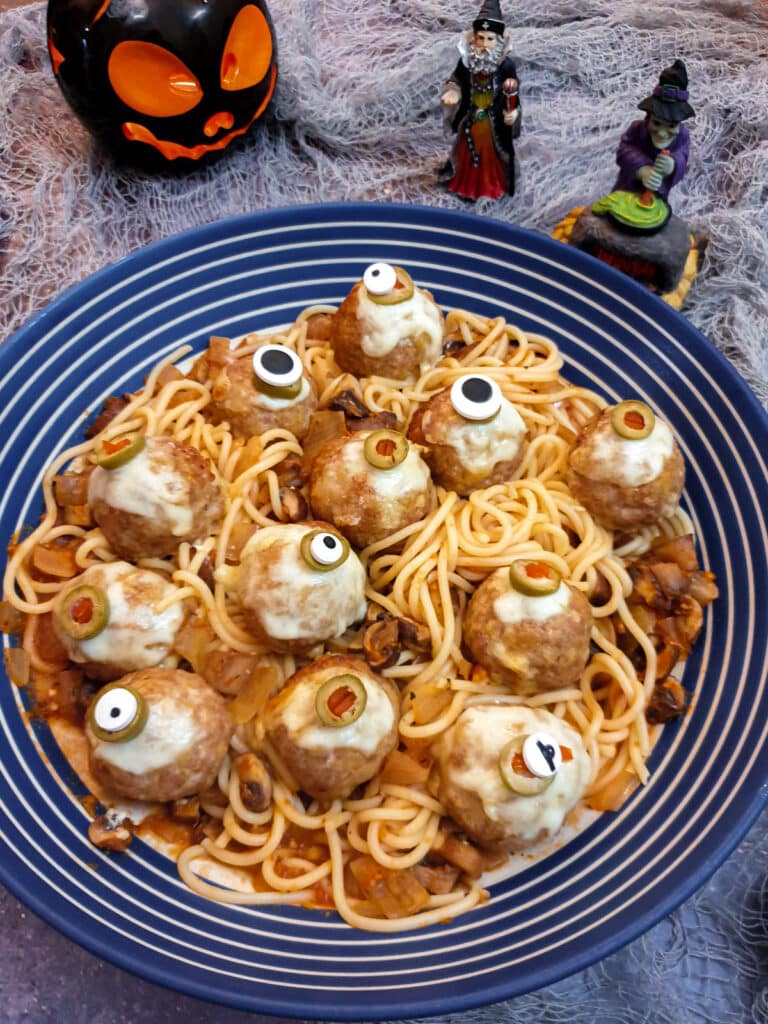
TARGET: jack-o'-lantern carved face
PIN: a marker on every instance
(164, 80)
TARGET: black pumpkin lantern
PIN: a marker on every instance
(164, 83)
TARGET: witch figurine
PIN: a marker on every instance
(633, 226)
(481, 106)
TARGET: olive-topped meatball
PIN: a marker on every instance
(261, 391)
(109, 620)
(626, 467)
(387, 327)
(370, 484)
(299, 584)
(509, 775)
(157, 734)
(333, 725)
(529, 628)
(151, 494)
(473, 437)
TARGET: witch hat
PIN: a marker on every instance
(669, 100)
(489, 19)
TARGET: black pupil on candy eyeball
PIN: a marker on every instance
(114, 712)
(277, 362)
(330, 542)
(475, 389)
(548, 753)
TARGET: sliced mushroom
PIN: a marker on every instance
(415, 636)
(381, 643)
(668, 700)
(350, 403)
(111, 832)
(293, 505)
(255, 782)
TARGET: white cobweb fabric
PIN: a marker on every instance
(356, 116)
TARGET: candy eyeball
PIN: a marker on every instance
(379, 278)
(323, 550)
(117, 713)
(542, 755)
(476, 397)
(277, 366)
(528, 764)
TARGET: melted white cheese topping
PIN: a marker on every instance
(137, 634)
(169, 732)
(513, 606)
(412, 474)
(300, 719)
(479, 446)
(627, 462)
(484, 731)
(385, 326)
(296, 601)
(147, 485)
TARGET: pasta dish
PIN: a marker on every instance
(353, 641)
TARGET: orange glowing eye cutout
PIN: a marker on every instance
(152, 81)
(247, 51)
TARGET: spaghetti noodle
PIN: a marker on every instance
(297, 851)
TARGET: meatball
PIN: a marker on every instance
(157, 734)
(395, 332)
(530, 642)
(465, 449)
(109, 622)
(486, 784)
(299, 584)
(370, 485)
(333, 725)
(627, 477)
(148, 505)
(261, 391)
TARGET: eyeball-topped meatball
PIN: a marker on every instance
(157, 734)
(528, 628)
(149, 495)
(473, 437)
(370, 485)
(387, 327)
(299, 584)
(260, 391)
(109, 622)
(626, 468)
(333, 725)
(509, 775)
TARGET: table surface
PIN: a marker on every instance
(709, 960)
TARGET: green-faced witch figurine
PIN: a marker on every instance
(481, 106)
(633, 227)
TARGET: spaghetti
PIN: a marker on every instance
(297, 851)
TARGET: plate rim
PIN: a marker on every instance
(431, 1005)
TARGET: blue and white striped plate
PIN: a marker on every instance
(597, 892)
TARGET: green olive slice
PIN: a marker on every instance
(385, 449)
(83, 612)
(323, 550)
(341, 700)
(117, 713)
(402, 291)
(516, 775)
(534, 578)
(273, 391)
(632, 420)
(116, 451)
